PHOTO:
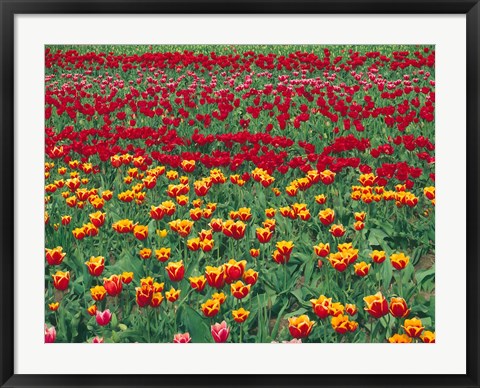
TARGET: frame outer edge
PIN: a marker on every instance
(473, 170)
(7, 192)
(7, 12)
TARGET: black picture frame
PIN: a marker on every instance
(9, 9)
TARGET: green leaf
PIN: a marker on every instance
(310, 265)
(114, 321)
(295, 313)
(421, 276)
(376, 237)
(195, 325)
(387, 274)
(279, 318)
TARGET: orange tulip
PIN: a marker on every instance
(337, 230)
(168, 208)
(79, 233)
(361, 269)
(66, 220)
(205, 234)
(413, 327)
(264, 235)
(127, 277)
(270, 213)
(321, 306)
(279, 258)
(376, 305)
(97, 219)
(144, 295)
(428, 337)
(172, 295)
(195, 214)
(320, 199)
(95, 265)
(300, 327)
(184, 227)
(338, 261)
(245, 214)
(98, 293)
(341, 324)
(250, 276)
(398, 308)
(234, 270)
(193, 244)
(351, 309)
(140, 232)
(162, 254)
(188, 165)
(367, 179)
(157, 299)
(326, 216)
(240, 315)
(181, 200)
(92, 310)
(400, 339)
(285, 247)
(113, 285)
(233, 229)
(158, 287)
(107, 195)
(211, 308)
(399, 260)
(327, 177)
(157, 212)
(206, 245)
(336, 309)
(429, 192)
(54, 256)
(61, 280)
(175, 270)
(216, 224)
(207, 213)
(123, 226)
(360, 216)
(322, 250)
(198, 283)
(145, 253)
(254, 252)
(220, 296)
(215, 276)
(378, 256)
(239, 290)
(359, 225)
(269, 224)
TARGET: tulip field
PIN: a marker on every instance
(239, 194)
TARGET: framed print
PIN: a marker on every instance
(199, 191)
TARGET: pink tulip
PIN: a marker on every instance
(220, 332)
(50, 335)
(103, 318)
(292, 341)
(98, 340)
(182, 338)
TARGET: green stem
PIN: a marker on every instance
(400, 286)
(148, 325)
(371, 329)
